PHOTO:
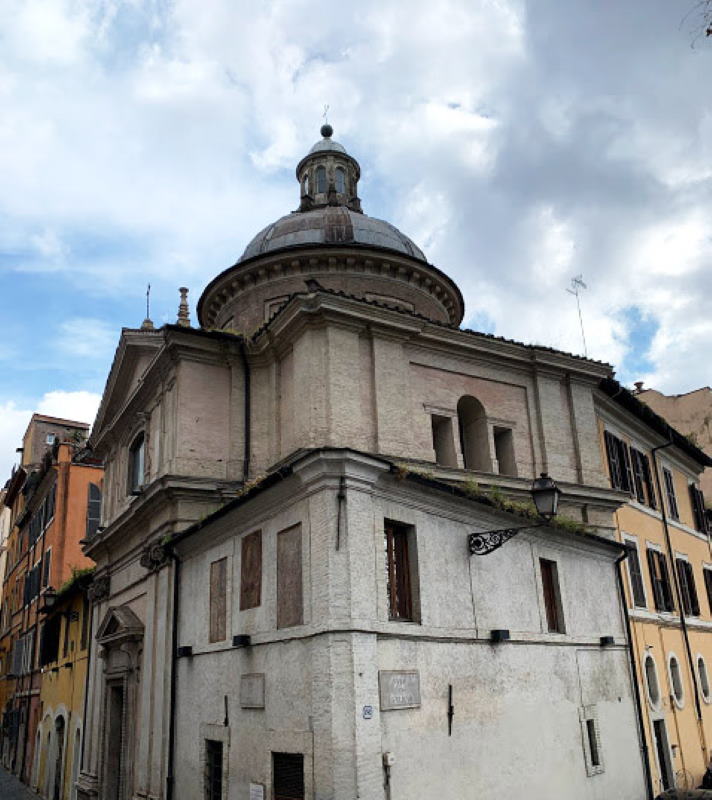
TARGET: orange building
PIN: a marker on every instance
(54, 497)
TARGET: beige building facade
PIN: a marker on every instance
(290, 599)
(668, 583)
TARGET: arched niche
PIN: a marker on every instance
(474, 435)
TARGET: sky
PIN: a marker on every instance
(520, 144)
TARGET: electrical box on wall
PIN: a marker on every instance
(389, 759)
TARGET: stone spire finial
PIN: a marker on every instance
(183, 317)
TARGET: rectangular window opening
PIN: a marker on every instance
(213, 769)
(504, 450)
(593, 742)
(443, 440)
(288, 776)
(401, 571)
(552, 596)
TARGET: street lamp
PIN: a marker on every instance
(545, 494)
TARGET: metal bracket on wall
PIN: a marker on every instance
(481, 544)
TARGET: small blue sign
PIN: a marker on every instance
(367, 712)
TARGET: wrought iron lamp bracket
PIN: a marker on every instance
(486, 542)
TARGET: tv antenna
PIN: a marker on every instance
(577, 285)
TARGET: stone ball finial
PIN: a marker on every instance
(327, 131)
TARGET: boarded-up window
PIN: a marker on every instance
(251, 571)
(552, 596)
(289, 577)
(288, 776)
(218, 600)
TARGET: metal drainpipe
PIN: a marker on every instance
(649, 791)
(90, 611)
(246, 455)
(170, 779)
(678, 592)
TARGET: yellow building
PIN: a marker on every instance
(63, 656)
(667, 581)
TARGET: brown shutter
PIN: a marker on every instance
(289, 578)
(251, 571)
(218, 600)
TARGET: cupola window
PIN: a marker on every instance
(340, 180)
(321, 180)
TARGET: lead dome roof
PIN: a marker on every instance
(330, 225)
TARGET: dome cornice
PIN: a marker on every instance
(323, 261)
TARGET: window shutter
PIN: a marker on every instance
(670, 491)
(692, 589)
(638, 474)
(614, 466)
(627, 482)
(697, 501)
(668, 603)
(655, 580)
(680, 565)
(636, 576)
(708, 586)
(649, 485)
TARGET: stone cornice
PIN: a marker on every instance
(338, 309)
(328, 260)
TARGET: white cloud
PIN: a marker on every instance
(87, 338)
(150, 141)
(80, 406)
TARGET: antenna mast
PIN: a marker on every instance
(576, 285)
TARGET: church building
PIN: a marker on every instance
(319, 573)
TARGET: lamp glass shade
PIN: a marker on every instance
(545, 494)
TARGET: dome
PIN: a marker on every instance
(327, 144)
(330, 225)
